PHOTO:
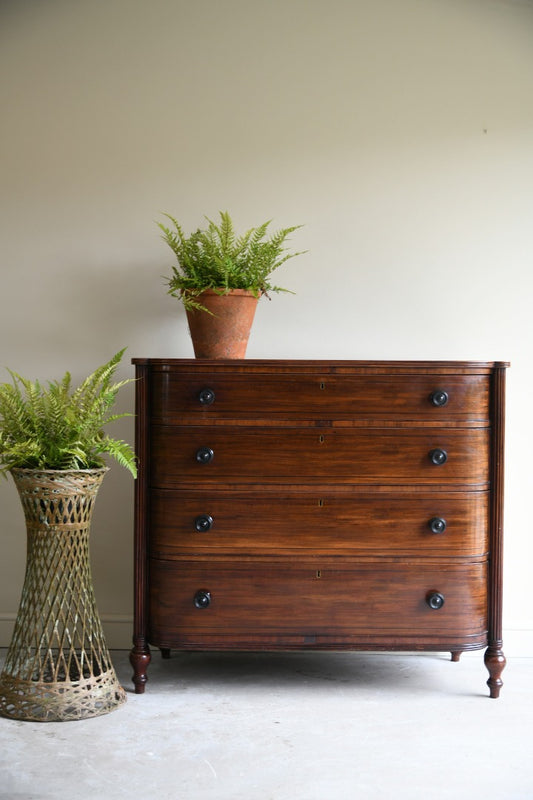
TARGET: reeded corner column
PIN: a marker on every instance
(494, 657)
(140, 655)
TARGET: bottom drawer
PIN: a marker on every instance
(212, 605)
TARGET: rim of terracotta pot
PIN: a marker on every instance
(222, 292)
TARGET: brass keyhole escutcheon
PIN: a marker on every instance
(321, 503)
(318, 574)
(321, 439)
(322, 385)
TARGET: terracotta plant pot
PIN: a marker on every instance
(224, 333)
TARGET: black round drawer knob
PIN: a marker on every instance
(202, 598)
(439, 398)
(206, 397)
(435, 600)
(438, 456)
(204, 455)
(437, 525)
(203, 522)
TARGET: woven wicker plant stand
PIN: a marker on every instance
(57, 666)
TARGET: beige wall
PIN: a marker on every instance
(398, 131)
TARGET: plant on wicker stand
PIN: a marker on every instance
(219, 277)
(53, 443)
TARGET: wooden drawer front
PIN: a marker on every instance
(211, 522)
(315, 598)
(251, 455)
(323, 396)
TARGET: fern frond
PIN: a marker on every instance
(55, 428)
(121, 452)
(216, 258)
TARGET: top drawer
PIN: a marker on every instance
(427, 398)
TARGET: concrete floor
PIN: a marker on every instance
(288, 726)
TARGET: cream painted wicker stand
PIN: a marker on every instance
(58, 666)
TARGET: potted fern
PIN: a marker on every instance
(52, 442)
(220, 276)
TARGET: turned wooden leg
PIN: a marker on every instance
(456, 655)
(165, 652)
(140, 658)
(495, 663)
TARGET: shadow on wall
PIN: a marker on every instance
(91, 316)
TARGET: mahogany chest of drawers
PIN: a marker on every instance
(319, 505)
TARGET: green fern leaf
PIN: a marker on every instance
(56, 428)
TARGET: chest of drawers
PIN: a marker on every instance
(319, 505)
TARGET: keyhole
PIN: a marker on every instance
(319, 573)
(320, 502)
(321, 438)
(322, 385)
